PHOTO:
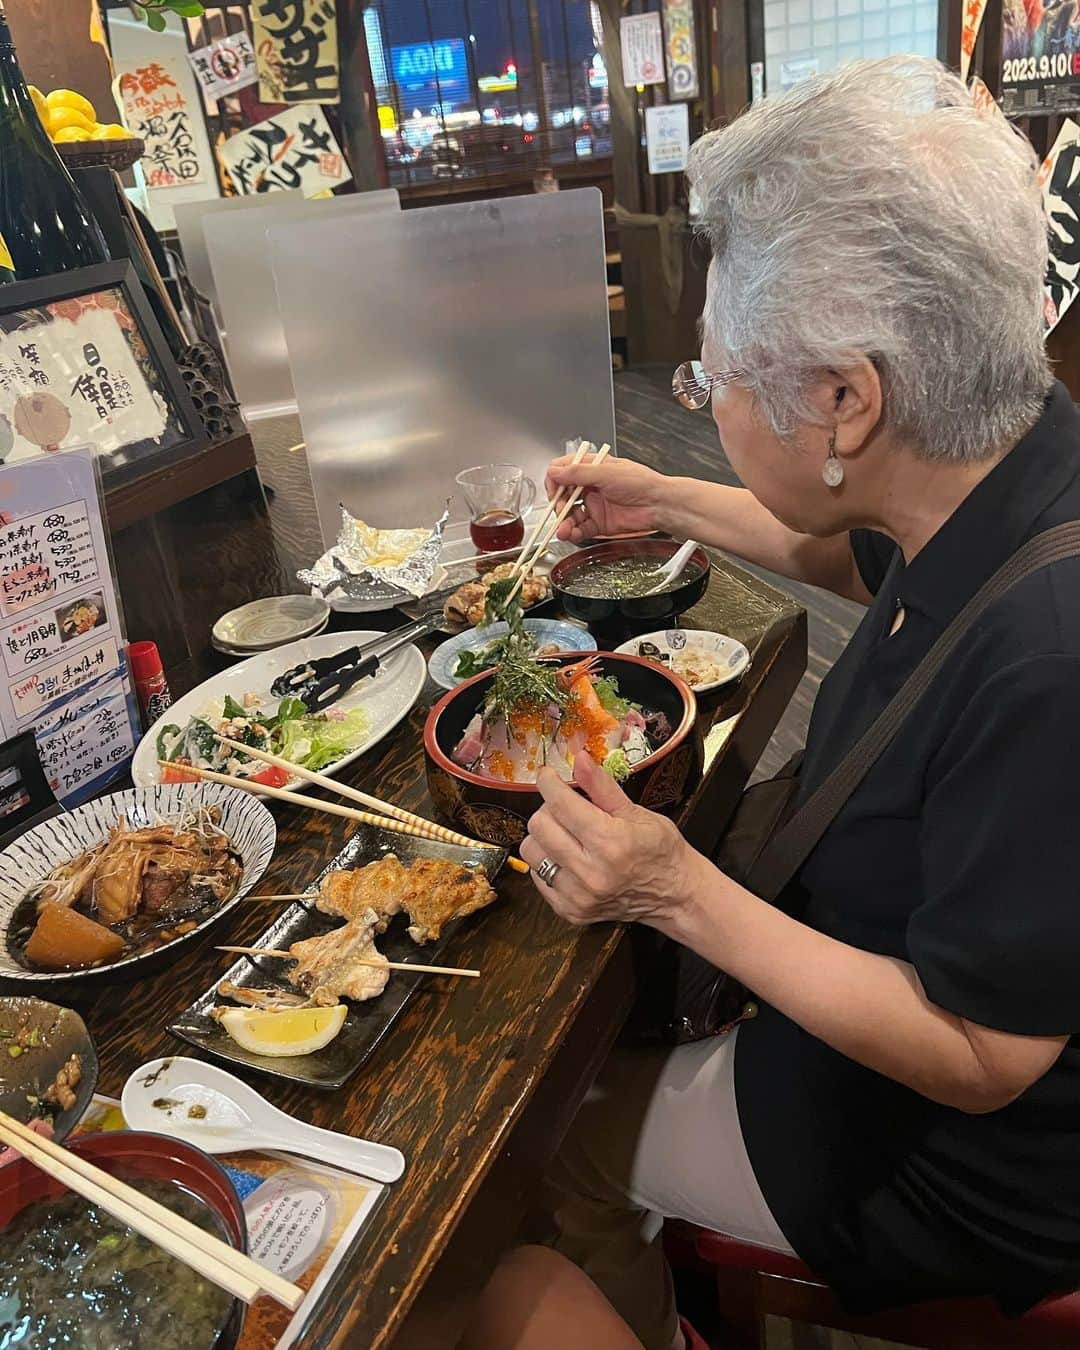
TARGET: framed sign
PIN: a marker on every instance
(293, 149)
(83, 363)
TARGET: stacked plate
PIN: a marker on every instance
(264, 624)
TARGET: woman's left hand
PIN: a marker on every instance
(616, 861)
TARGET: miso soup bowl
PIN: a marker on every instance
(498, 812)
(138, 1155)
(630, 614)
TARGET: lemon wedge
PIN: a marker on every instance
(290, 1031)
(68, 98)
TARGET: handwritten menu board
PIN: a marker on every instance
(63, 671)
(157, 110)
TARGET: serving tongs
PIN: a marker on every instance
(322, 681)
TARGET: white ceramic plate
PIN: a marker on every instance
(269, 622)
(387, 698)
(730, 655)
(566, 637)
(34, 854)
(244, 652)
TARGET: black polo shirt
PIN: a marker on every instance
(958, 853)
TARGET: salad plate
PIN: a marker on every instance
(328, 742)
(550, 635)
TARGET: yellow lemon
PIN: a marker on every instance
(111, 131)
(67, 98)
(292, 1031)
(39, 103)
(62, 118)
(67, 134)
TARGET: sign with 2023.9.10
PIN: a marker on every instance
(1040, 70)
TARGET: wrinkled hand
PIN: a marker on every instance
(617, 861)
(620, 497)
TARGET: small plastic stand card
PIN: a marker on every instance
(64, 669)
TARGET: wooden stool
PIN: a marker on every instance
(752, 1282)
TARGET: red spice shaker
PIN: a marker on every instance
(150, 683)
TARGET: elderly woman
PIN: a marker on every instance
(904, 1113)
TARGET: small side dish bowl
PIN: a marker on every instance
(629, 613)
(554, 633)
(721, 658)
(498, 812)
(138, 1157)
(46, 1037)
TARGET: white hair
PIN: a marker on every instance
(874, 212)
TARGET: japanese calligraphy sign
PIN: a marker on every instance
(225, 66)
(682, 73)
(157, 110)
(970, 24)
(71, 375)
(296, 50)
(642, 44)
(1060, 179)
(295, 149)
(62, 672)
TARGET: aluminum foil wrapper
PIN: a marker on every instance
(347, 566)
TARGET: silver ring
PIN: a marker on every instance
(547, 871)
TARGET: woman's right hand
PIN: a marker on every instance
(620, 497)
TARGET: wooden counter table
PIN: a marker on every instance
(477, 1080)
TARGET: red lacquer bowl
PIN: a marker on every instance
(136, 1154)
(498, 812)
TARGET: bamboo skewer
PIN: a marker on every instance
(418, 827)
(375, 965)
(553, 529)
(214, 1259)
(431, 830)
(552, 506)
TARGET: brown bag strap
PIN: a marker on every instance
(792, 845)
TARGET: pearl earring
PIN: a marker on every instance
(832, 471)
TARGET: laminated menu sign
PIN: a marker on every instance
(301, 1218)
(63, 672)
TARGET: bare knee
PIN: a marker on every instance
(537, 1299)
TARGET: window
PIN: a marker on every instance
(811, 37)
(475, 89)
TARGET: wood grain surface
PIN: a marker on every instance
(478, 1079)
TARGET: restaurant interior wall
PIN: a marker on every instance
(435, 346)
(810, 37)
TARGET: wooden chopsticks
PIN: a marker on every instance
(428, 829)
(416, 826)
(214, 1259)
(414, 966)
(548, 528)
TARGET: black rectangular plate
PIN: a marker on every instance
(366, 1023)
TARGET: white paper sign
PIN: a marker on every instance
(74, 381)
(667, 136)
(293, 149)
(158, 110)
(1060, 179)
(642, 40)
(63, 673)
(225, 66)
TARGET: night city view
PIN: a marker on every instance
(481, 87)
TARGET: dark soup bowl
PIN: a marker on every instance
(627, 614)
(498, 812)
(133, 1294)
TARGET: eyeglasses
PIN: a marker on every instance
(692, 384)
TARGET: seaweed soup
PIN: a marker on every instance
(73, 1276)
(624, 578)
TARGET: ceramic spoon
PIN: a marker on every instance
(214, 1110)
(673, 567)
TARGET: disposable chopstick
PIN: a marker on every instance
(553, 505)
(214, 1259)
(416, 828)
(375, 965)
(432, 828)
(553, 529)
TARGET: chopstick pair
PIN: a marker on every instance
(214, 1259)
(389, 817)
(546, 529)
(374, 965)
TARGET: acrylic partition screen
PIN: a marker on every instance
(189, 226)
(240, 261)
(441, 338)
